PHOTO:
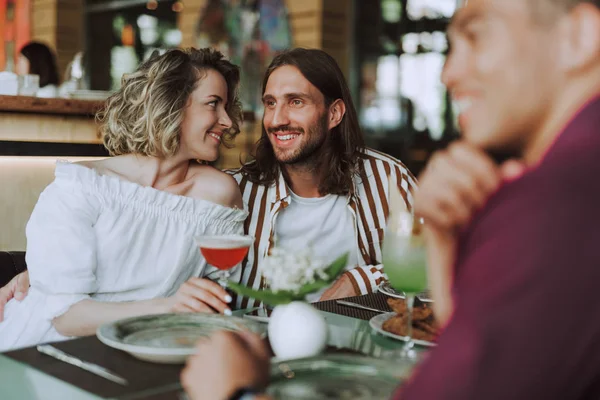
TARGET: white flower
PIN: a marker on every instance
(289, 271)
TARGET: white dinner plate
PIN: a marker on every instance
(168, 338)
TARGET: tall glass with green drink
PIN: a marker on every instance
(404, 263)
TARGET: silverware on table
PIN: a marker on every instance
(356, 305)
(88, 366)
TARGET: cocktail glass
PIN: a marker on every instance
(404, 263)
(224, 252)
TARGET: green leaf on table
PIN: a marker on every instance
(284, 297)
(266, 296)
(313, 287)
(333, 271)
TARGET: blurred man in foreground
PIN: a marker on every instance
(513, 247)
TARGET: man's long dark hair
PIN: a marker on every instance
(339, 159)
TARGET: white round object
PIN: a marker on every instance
(297, 330)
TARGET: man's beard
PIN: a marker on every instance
(309, 151)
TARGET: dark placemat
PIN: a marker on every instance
(374, 300)
(145, 379)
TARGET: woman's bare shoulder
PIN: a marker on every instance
(215, 185)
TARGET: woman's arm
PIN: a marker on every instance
(196, 295)
(83, 318)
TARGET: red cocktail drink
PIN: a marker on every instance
(224, 252)
(224, 258)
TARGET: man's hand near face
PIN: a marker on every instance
(456, 183)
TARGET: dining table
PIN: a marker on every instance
(28, 374)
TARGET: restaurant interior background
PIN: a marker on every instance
(391, 51)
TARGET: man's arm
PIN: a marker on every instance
(348, 285)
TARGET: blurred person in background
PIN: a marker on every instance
(38, 59)
(513, 263)
(114, 238)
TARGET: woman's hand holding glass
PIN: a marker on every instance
(199, 295)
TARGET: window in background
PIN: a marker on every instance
(123, 58)
(421, 66)
(418, 9)
(123, 34)
(391, 10)
(401, 48)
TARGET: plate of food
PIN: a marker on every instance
(336, 376)
(169, 338)
(388, 290)
(393, 324)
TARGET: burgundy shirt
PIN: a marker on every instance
(526, 324)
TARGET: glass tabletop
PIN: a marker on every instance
(21, 381)
(356, 334)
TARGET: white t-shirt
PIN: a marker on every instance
(325, 224)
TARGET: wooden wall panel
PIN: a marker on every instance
(59, 24)
(69, 32)
(302, 6)
(44, 19)
(306, 21)
(187, 20)
(323, 24)
(48, 128)
(337, 28)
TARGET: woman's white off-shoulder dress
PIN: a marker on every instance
(103, 238)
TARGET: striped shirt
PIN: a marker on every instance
(368, 203)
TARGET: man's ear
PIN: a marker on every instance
(337, 110)
(580, 38)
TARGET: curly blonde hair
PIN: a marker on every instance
(145, 115)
